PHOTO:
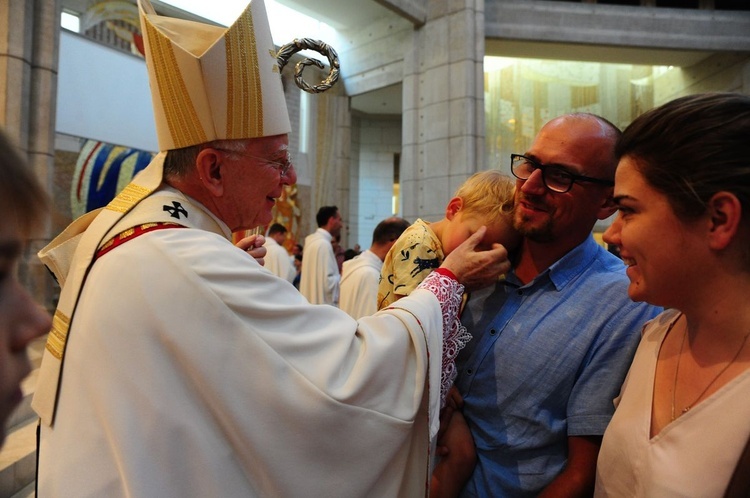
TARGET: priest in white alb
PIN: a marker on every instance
(277, 259)
(360, 275)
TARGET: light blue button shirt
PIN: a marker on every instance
(546, 361)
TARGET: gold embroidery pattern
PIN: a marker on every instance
(179, 111)
(107, 244)
(244, 92)
(131, 195)
(58, 335)
(132, 233)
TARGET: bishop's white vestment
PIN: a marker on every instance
(191, 370)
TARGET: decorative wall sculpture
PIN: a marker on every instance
(102, 170)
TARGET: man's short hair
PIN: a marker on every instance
(324, 214)
(277, 228)
(388, 230)
(179, 162)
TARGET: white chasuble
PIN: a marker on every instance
(190, 370)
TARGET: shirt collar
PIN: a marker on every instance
(565, 269)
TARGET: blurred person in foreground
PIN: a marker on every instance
(23, 209)
(177, 365)
(683, 191)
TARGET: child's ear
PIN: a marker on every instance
(453, 207)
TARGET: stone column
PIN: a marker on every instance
(443, 106)
(29, 52)
(332, 155)
(343, 164)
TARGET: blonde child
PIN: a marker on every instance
(484, 199)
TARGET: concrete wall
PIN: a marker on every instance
(617, 26)
(372, 56)
(727, 72)
(443, 122)
(103, 94)
(379, 140)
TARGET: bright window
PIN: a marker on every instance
(70, 21)
(304, 120)
(520, 95)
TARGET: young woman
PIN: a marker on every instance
(683, 191)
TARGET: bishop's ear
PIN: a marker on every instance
(209, 164)
(724, 212)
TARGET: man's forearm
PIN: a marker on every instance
(578, 477)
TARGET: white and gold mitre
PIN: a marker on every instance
(209, 82)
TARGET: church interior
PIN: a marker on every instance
(430, 92)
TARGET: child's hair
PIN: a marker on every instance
(488, 194)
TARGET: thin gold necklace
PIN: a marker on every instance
(677, 372)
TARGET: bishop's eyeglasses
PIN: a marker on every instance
(282, 167)
(555, 178)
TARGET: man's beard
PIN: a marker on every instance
(540, 233)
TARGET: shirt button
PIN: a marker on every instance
(493, 332)
(519, 292)
(469, 371)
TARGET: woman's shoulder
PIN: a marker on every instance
(660, 324)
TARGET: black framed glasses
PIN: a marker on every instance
(555, 178)
(282, 167)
